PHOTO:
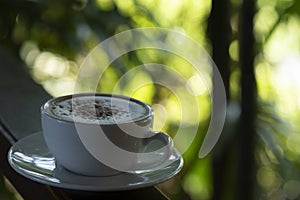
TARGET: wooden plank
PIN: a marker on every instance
(149, 193)
(20, 98)
(20, 101)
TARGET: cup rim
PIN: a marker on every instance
(70, 96)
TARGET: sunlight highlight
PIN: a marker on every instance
(197, 86)
(286, 80)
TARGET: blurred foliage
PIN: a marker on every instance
(53, 38)
(7, 192)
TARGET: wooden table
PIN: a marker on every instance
(20, 101)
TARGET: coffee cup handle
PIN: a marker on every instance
(156, 150)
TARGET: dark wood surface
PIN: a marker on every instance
(20, 101)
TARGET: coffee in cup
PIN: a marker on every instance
(102, 134)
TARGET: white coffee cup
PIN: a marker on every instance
(103, 134)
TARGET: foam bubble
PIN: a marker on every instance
(97, 109)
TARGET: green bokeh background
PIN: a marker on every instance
(53, 37)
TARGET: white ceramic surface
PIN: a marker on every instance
(31, 158)
(97, 149)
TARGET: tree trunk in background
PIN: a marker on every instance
(246, 160)
(236, 158)
(219, 32)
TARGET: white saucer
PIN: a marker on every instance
(31, 158)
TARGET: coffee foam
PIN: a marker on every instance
(97, 109)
